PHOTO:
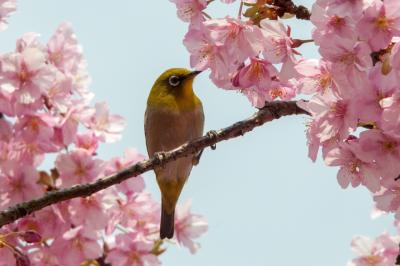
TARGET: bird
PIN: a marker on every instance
(174, 115)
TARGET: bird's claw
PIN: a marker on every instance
(196, 158)
(212, 134)
(159, 157)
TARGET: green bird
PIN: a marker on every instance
(174, 115)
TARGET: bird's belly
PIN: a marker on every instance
(167, 130)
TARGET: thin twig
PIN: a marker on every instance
(240, 10)
(269, 112)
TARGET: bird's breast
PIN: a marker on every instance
(166, 128)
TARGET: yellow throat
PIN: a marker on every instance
(173, 90)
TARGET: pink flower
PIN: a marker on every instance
(87, 141)
(139, 212)
(257, 73)
(379, 23)
(43, 257)
(242, 40)
(353, 170)
(58, 95)
(48, 222)
(334, 115)
(64, 51)
(134, 184)
(373, 92)
(351, 8)
(106, 127)
(67, 128)
(257, 97)
(381, 251)
(223, 45)
(78, 167)
(391, 115)
(330, 25)
(24, 76)
(313, 142)
(190, 10)
(277, 44)
(203, 51)
(282, 90)
(7, 257)
(35, 128)
(29, 40)
(90, 211)
(131, 250)
(17, 150)
(189, 226)
(350, 59)
(388, 200)
(18, 184)
(76, 245)
(317, 76)
(5, 130)
(383, 149)
(6, 103)
(7, 7)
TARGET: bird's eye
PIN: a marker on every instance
(174, 80)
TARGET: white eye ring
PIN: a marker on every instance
(174, 80)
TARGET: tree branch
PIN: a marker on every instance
(269, 112)
(287, 6)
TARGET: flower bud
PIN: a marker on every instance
(31, 236)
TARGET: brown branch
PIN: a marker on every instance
(269, 112)
(287, 6)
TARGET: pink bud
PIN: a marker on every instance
(31, 236)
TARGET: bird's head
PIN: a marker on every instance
(177, 81)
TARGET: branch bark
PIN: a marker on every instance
(271, 111)
(287, 6)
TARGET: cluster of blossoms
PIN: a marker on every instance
(45, 112)
(354, 87)
(241, 54)
(381, 251)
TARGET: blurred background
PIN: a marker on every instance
(266, 203)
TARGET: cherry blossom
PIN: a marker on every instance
(189, 226)
(78, 167)
(380, 22)
(381, 251)
(131, 250)
(190, 10)
(7, 7)
(76, 245)
(46, 112)
(105, 126)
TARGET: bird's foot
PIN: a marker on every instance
(196, 158)
(159, 157)
(212, 134)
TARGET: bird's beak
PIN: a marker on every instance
(194, 73)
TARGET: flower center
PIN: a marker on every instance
(389, 146)
(337, 22)
(277, 92)
(382, 23)
(339, 109)
(324, 81)
(373, 260)
(348, 59)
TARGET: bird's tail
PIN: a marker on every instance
(167, 224)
